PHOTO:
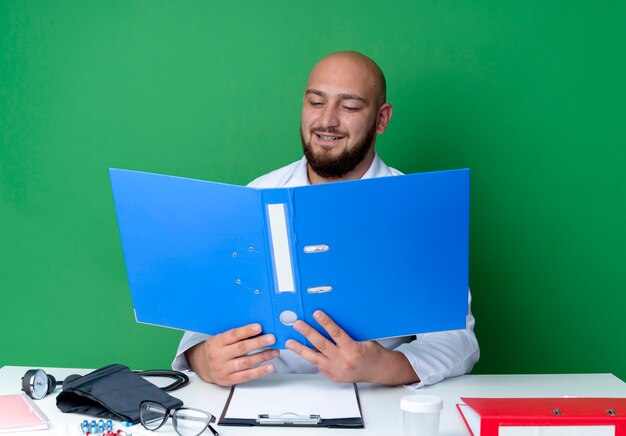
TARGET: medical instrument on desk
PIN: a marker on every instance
(187, 421)
(116, 392)
(37, 384)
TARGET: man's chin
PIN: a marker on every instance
(326, 155)
(327, 147)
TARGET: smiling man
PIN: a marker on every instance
(344, 108)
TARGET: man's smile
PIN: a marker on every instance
(325, 138)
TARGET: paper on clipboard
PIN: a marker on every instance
(292, 396)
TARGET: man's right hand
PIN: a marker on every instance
(222, 359)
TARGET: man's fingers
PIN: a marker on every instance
(339, 335)
(240, 341)
(322, 344)
(238, 334)
(229, 358)
(248, 345)
(232, 370)
(250, 374)
(251, 360)
(312, 356)
(325, 351)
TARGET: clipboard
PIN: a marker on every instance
(293, 401)
(208, 257)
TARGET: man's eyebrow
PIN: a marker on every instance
(315, 91)
(351, 97)
(340, 96)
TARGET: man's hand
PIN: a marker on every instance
(348, 360)
(222, 359)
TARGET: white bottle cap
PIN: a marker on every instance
(421, 403)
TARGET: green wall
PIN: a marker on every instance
(530, 95)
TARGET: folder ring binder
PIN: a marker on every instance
(288, 317)
(321, 248)
(289, 418)
(319, 289)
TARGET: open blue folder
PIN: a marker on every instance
(383, 257)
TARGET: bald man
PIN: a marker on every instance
(343, 110)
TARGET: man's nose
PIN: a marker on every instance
(329, 117)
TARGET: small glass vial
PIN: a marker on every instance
(420, 414)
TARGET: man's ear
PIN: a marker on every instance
(383, 117)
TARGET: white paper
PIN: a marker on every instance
(302, 397)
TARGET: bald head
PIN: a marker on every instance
(354, 67)
(343, 109)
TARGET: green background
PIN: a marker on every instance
(530, 95)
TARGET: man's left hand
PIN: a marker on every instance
(347, 360)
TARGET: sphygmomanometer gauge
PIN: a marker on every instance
(37, 384)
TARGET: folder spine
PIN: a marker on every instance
(283, 268)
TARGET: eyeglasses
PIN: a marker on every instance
(187, 421)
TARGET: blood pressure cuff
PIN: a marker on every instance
(113, 392)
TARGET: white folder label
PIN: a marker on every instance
(283, 268)
(561, 430)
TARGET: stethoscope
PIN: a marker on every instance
(37, 384)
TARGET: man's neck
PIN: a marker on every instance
(356, 173)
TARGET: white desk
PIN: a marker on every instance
(380, 405)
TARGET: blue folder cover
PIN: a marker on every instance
(383, 257)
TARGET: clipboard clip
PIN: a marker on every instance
(289, 418)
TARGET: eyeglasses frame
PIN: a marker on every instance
(169, 413)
